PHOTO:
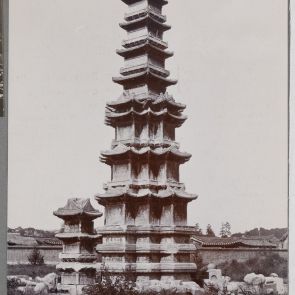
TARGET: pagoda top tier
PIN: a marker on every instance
(77, 208)
(144, 50)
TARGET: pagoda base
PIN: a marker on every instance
(151, 270)
(153, 278)
(155, 256)
(73, 282)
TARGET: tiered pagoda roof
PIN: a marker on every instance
(149, 20)
(121, 150)
(125, 193)
(75, 267)
(79, 208)
(128, 108)
(145, 47)
(113, 118)
(128, 100)
(149, 74)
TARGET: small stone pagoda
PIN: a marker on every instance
(145, 203)
(78, 258)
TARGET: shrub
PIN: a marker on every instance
(201, 272)
(12, 285)
(35, 257)
(112, 285)
(265, 265)
(123, 284)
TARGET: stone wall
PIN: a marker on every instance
(19, 254)
(216, 256)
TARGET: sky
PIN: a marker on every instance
(231, 63)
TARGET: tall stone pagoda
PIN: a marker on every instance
(145, 203)
(78, 257)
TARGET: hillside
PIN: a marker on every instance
(276, 232)
(31, 232)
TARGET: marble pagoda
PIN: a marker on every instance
(145, 223)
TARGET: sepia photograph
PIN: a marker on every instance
(148, 145)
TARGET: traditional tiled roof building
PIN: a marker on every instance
(49, 242)
(145, 202)
(234, 242)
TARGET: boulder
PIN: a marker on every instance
(21, 290)
(258, 280)
(38, 279)
(41, 289)
(155, 288)
(254, 279)
(280, 287)
(193, 288)
(232, 287)
(248, 279)
(31, 284)
(50, 280)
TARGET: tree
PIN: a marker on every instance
(21, 232)
(198, 230)
(227, 229)
(35, 257)
(223, 231)
(209, 231)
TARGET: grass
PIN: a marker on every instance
(30, 270)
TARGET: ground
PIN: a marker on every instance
(30, 270)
